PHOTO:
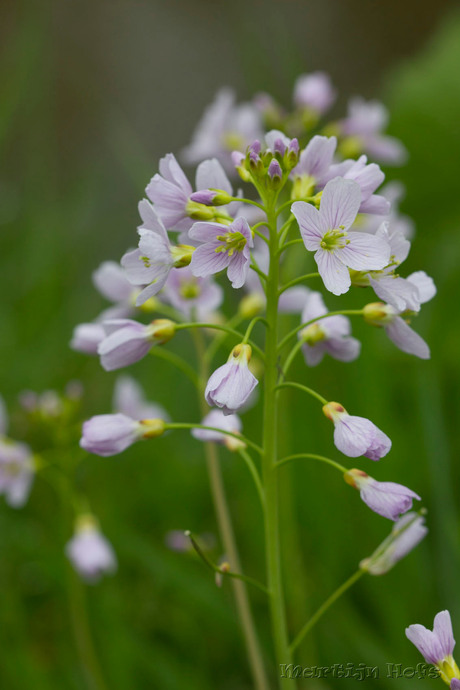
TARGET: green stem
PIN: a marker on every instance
(218, 327)
(248, 201)
(251, 325)
(301, 387)
(178, 362)
(220, 338)
(296, 281)
(222, 570)
(312, 456)
(272, 537)
(259, 272)
(255, 475)
(285, 245)
(281, 208)
(224, 521)
(239, 437)
(322, 609)
(290, 358)
(345, 312)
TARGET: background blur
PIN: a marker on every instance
(93, 93)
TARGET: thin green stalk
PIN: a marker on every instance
(251, 325)
(248, 201)
(272, 536)
(299, 280)
(220, 338)
(290, 358)
(218, 327)
(178, 362)
(259, 271)
(285, 245)
(255, 475)
(239, 437)
(312, 456)
(301, 387)
(345, 312)
(221, 569)
(322, 609)
(224, 521)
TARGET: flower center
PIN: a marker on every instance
(231, 242)
(334, 239)
(190, 289)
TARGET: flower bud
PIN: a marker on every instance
(230, 386)
(162, 330)
(199, 211)
(355, 436)
(151, 428)
(251, 305)
(275, 173)
(378, 313)
(211, 197)
(407, 532)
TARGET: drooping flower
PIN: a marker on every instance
(315, 92)
(230, 386)
(219, 419)
(396, 328)
(223, 247)
(224, 127)
(190, 294)
(330, 335)
(326, 233)
(407, 532)
(110, 434)
(129, 341)
(129, 400)
(363, 131)
(385, 498)
(152, 262)
(90, 553)
(437, 646)
(86, 337)
(355, 436)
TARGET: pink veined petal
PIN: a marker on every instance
(152, 289)
(206, 261)
(311, 224)
(424, 284)
(136, 270)
(238, 268)
(426, 642)
(406, 339)
(399, 245)
(340, 203)
(316, 159)
(365, 252)
(211, 175)
(336, 326)
(313, 354)
(206, 232)
(241, 225)
(398, 292)
(150, 219)
(110, 279)
(376, 204)
(352, 438)
(442, 628)
(314, 307)
(171, 171)
(113, 325)
(334, 273)
(344, 349)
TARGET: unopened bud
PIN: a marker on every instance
(275, 173)
(378, 313)
(198, 211)
(163, 330)
(212, 197)
(251, 305)
(182, 255)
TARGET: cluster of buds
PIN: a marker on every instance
(268, 168)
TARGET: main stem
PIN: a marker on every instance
(272, 530)
(224, 522)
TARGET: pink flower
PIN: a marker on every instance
(355, 436)
(437, 645)
(230, 386)
(90, 553)
(407, 532)
(385, 498)
(128, 341)
(326, 233)
(110, 434)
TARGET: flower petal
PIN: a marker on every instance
(334, 273)
(340, 203)
(365, 252)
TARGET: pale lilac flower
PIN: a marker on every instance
(173, 197)
(90, 553)
(111, 281)
(364, 124)
(385, 498)
(437, 646)
(314, 164)
(369, 177)
(16, 471)
(326, 233)
(129, 400)
(355, 436)
(129, 341)
(152, 262)
(223, 247)
(330, 335)
(315, 92)
(190, 294)
(223, 128)
(86, 337)
(230, 386)
(407, 532)
(396, 328)
(404, 294)
(219, 419)
(110, 434)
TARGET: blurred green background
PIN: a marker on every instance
(92, 94)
